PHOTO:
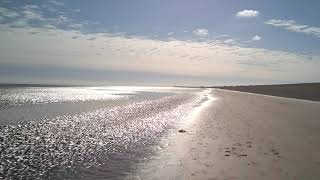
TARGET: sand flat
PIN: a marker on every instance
(244, 136)
(309, 91)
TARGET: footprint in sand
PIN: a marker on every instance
(275, 152)
(238, 152)
(249, 144)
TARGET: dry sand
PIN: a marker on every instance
(243, 136)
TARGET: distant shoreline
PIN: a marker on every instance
(307, 91)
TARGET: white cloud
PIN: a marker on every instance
(49, 8)
(49, 26)
(230, 41)
(221, 36)
(201, 32)
(57, 3)
(75, 25)
(170, 33)
(293, 26)
(32, 15)
(256, 38)
(8, 13)
(248, 13)
(63, 18)
(31, 6)
(19, 23)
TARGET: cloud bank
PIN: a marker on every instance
(186, 58)
(293, 26)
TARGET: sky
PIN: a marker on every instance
(159, 42)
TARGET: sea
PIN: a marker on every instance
(87, 132)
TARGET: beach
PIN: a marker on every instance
(243, 136)
(159, 90)
(156, 133)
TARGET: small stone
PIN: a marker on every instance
(182, 131)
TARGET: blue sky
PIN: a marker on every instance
(172, 42)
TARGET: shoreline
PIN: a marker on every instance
(266, 95)
(307, 91)
(243, 136)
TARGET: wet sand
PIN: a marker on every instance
(243, 136)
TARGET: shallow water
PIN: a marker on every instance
(86, 133)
